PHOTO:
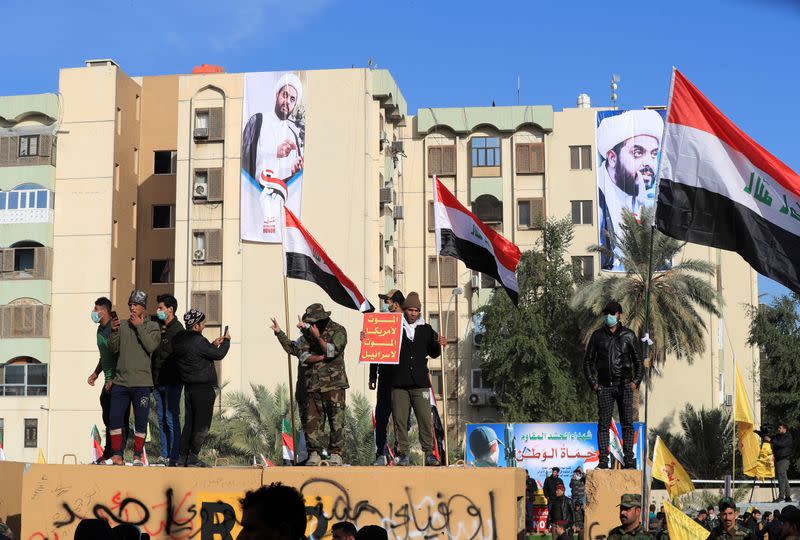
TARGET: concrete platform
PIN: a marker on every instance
(603, 490)
(47, 501)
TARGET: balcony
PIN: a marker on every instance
(24, 319)
(26, 262)
(26, 206)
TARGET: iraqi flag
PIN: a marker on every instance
(97, 447)
(305, 259)
(720, 188)
(287, 441)
(461, 235)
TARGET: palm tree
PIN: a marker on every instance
(681, 291)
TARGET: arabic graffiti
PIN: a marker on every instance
(456, 516)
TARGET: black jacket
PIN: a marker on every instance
(412, 370)
(564, 504)
(613, 358)
(549, 486)
(782, 446)
(195, 357)
(163, 365)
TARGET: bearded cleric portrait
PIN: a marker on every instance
(628, 145)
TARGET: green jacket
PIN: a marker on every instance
(329, 374)
(637, 534)
(108, 360)
(135, 346)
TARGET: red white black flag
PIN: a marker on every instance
(305, 259)
(461, 235)
(720, 188)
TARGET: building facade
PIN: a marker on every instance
(148, 178)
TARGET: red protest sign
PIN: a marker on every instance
(382, 334)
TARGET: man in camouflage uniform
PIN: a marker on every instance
(728, 529)
(630, 515)
(320, 350)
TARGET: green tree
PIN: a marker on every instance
(681, 296)
(775, 328)
(530, 354)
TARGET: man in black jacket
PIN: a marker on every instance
(410, 381)
(549, 486)
(782, 448)
(613, 367)
(167, 386)
(559, 509)
(195, 358)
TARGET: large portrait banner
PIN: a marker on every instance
(273, 150)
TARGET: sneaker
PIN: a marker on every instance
(172, 463)
(313, 459)
(381, 461)
(137, 461)
(117, 460)
(402, 460)
(630, 464)
(196, 462)
(335, 459)
(603, 463)
(431, 461)
(161, 461)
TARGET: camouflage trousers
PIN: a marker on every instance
(323, 405)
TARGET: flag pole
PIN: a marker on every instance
(289, 364)
(446, 459)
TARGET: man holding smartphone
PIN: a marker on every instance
(195, 357)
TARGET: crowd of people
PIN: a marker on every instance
(155, 355)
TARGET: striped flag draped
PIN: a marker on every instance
(97, 447)
(305, 259)
(720, 188)
(461, 235)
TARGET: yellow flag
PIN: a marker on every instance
(667, 469)
(681, 526)
(765, 464)
(41, 457)
(749, 445)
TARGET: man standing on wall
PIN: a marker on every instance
(410, 382)
(101, 315)
(195, 357)
(613, 367)
(782, 449)
(134, 340)
(167, 381)
(321, 349)
(380, 376)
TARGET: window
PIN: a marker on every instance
(201, 119)
(163, 216)
(26, 378)
(530, 213)
(25, 321)
(450, 320)
(207, 246)
(24, 259)
(210, 303)
(208, 185)
(485, 151)
(530, 158)
(436, 382)
(2, 429)
(161, 271)
(478, 382)
(209, 124)
(28, 145)
(31, 433)
(582, 212)
(442, 160)
(488, 209)
(164, 161)
(449, 271)
(580, 157)
(583, 268)
(381, 252)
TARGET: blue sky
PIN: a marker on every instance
(743, 54)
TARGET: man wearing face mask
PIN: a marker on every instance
(167, 381)
(613, 367)
(380, 377)
(134, 340)
(107, 365)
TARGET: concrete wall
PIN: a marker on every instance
(412, 502)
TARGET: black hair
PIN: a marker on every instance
(702, 511)
(556, 469)
(103, 302)
(169, 301)
(784, 426)
(278, 505)
(345, 526)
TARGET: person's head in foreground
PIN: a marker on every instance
(274, 512)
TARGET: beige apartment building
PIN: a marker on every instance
(148, 180)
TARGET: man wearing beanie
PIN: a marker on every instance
(134, 341)
(613, 367)
(195, 356)
(410, 381)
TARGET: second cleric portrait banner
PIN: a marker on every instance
(540, 447)
(273, 151)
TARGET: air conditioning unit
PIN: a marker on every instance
(200, 191)
(475, 281)
(199, 255)
(729, 400)
(478, 399)
(397, 147)
(385, 196)
(477, 338)
(201, 133)
(398, 212)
